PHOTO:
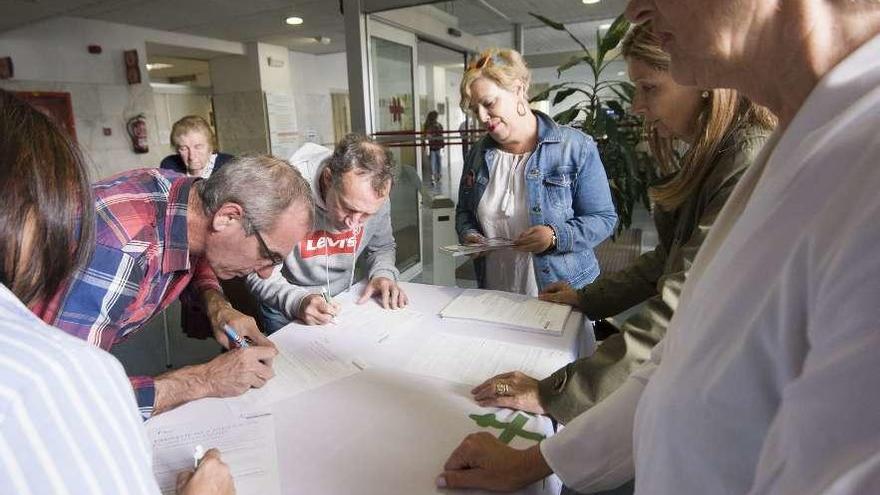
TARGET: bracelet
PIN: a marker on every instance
(553, 238)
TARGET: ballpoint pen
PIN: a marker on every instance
(326, 295)
(198, 454)
(235, 337)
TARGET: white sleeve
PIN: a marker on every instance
(825, 436)
(71, 425)
(277, 292)
(595, 450)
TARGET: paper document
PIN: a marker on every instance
(472, 360)
(298, 369)
(489, 245)
(382, 323)
(514, 310)
(246, 444)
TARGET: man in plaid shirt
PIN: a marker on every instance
(157, 232)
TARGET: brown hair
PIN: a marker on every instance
(192, 123)
(503, 67)
(47, 198)
(263, 185)
(365, 156)
(723, 112)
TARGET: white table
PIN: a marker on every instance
(384, 430)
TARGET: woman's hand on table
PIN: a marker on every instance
(483, 461)
(514, 390)
(560, 292)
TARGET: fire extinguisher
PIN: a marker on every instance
(137, 131)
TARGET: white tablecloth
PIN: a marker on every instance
(385, 430)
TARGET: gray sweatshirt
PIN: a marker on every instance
(326, 257)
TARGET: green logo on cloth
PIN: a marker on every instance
(509, 431)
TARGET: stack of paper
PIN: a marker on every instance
(512, 310)
(489, 245)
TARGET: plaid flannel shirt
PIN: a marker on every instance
(141, 264)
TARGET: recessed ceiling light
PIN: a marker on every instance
(159, 66)
(294, 21)
(605, 26)
(588, 2)
(621, 73)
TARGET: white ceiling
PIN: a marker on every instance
(263, 20)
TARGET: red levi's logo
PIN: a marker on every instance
(320, 242)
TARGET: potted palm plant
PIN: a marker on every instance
(600, 113)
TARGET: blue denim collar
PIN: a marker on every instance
(548, 132)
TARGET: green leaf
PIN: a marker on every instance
(543, 95)
(566, 116)
(555, 25)
(573, 61)
(614, 34)
(562, 95)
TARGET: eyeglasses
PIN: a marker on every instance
(267, 253)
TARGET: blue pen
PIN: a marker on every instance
(235, 337)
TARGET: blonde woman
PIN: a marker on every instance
(531, 181)
(195, 146)
(724, 132)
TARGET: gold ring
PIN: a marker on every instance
(502, 389)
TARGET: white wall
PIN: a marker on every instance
(52, 56)
(313, 78)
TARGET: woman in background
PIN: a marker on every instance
(195, 144)
(530, 181)
(434, 132)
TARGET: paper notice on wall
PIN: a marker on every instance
(281, 117)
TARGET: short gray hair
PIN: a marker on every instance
(365, 156)
(264, 186)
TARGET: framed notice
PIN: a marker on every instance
(55, 105)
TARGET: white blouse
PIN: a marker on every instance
(503, 213)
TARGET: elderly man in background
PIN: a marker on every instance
(195, 145)
(158, 232)
(351, 186)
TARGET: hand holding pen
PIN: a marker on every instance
(318, 309)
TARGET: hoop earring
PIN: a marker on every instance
(521, 104)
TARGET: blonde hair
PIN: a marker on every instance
(192, 123)
(503, 67)
(723, 112)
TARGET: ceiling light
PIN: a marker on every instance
(621, 73)
(589, 2)
(159, 66)
(294, 20)
(605, 26)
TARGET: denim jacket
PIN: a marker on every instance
(567, 190)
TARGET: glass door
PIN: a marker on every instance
(391, 63)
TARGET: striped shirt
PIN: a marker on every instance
(68, 421)
(141, 264)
